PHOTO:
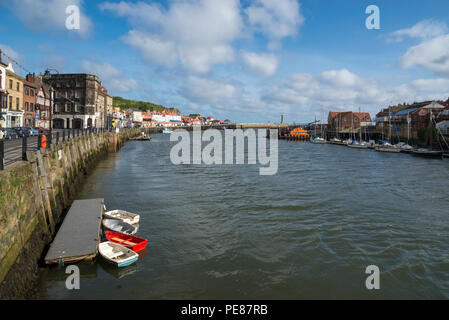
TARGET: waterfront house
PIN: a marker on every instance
(44, 97)
(347, 122)
(14, 88)
(29, 100)
(76, 98)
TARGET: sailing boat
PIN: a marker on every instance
(387, 147)
(430, 153)
(358, 144)
(318, 140)
(337, 140)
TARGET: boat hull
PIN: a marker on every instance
(428, 154)
(136, 244)
(119, 226)
(122, 215)
(117, 254)
(387, 150)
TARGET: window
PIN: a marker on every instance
(76, 107)
(31, 107)
(26, 106)
(32, 93)
(18, 86)
(10, 102)
(77, 94)
(17, 103)
(27, 92)
(56, 107)
(10, 84)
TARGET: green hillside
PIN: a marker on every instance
(124, 104)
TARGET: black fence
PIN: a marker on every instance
(14, 150)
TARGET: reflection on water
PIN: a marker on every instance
(218, 232)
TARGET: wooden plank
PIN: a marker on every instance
(79, 235)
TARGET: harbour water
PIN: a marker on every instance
(225, 232)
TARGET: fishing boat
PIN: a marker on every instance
(123, 215)
(117, 254)
(134, 243)
(167, 131)
(387, 148)
(119, 226)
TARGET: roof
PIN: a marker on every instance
(405, 111)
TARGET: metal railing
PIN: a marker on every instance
(16, 149)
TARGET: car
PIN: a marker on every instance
(22, 132)
(33, 131)
(10, 134)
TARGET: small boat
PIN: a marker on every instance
(123, 215)
(428, 153)
(404, 147)
(117, 254)
(167, 131)
(387, 148)
(358, 145)
(336, 141)
(119, 226)
(318, 140)
(136, 244)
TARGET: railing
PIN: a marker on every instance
(16, 149)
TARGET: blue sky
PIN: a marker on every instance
(248, 61)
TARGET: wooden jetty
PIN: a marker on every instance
(79, 235)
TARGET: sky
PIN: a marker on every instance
(243, 60)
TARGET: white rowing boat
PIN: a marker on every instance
(123, 215)
(117, 254)
(120, 226)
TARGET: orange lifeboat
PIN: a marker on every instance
(299, 132)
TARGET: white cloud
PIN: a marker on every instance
(426, 29)
(261, 64)
(152, 48)
(112, 78)
(197, 34)
(342, 89)
(205, 90)
(276, 19)
(48, 15)
(432, 54)
(340, 78)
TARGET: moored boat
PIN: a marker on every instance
(358, 145)
(134, 243)
(119, 226)
(117, 254)
(125, 216)
(422, 152)
(387, 148)
(167, 131)
(318, 140)
(336, 141)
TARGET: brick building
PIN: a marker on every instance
(29, 102)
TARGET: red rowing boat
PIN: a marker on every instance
(134, 243)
